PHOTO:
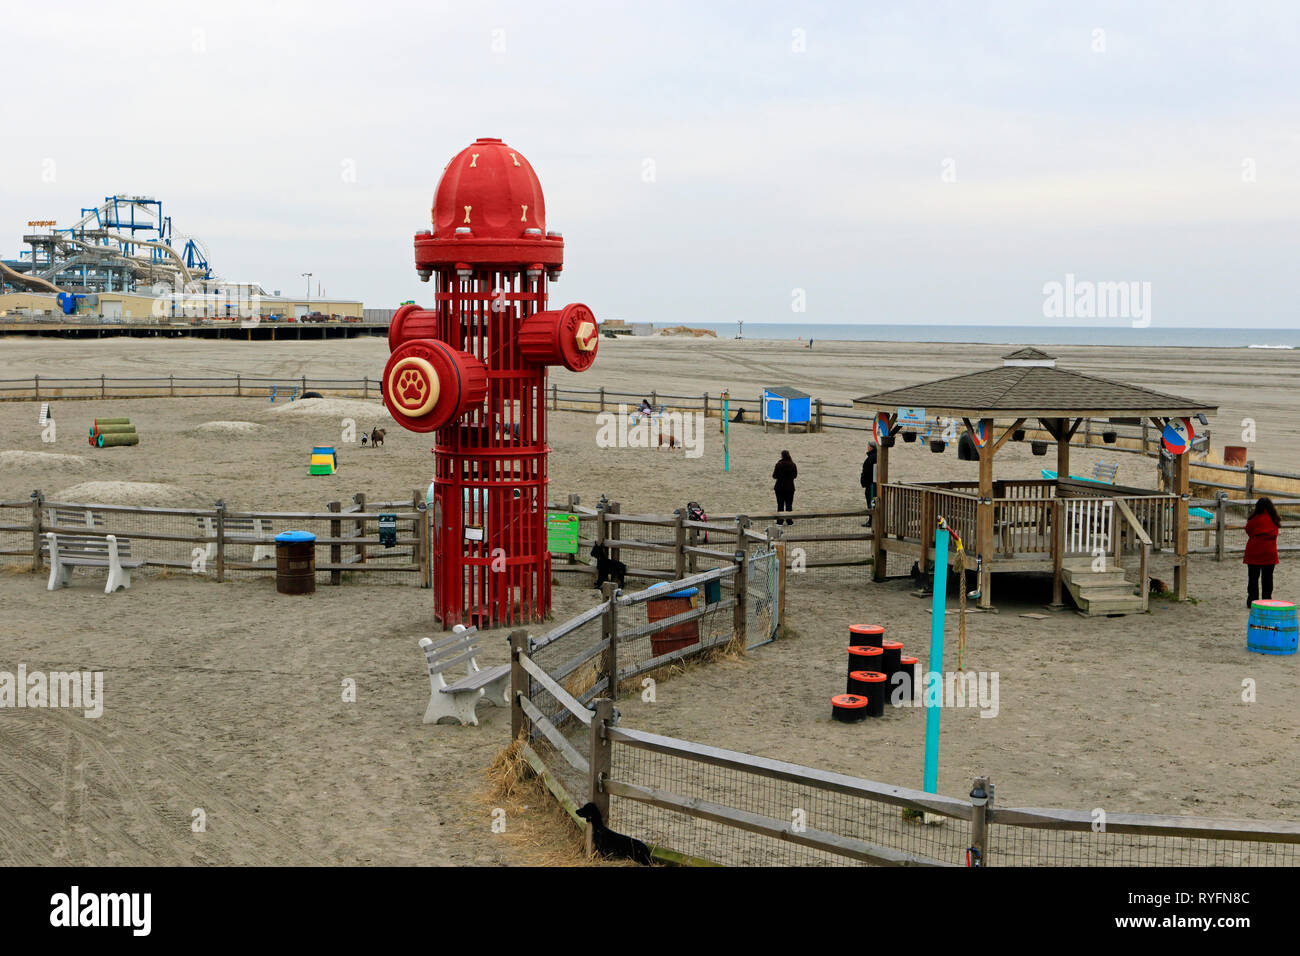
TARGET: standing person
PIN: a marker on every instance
(868, 479)
(1261, 550)
(785, 473)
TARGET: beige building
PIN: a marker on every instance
(132, 307)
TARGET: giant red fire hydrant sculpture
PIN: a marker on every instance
(473, 370)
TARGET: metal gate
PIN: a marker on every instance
(763, 615)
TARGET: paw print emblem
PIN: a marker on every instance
(411, 387)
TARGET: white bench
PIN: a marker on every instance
(90, 551)
(247, 527)
(458, 699)
(74, 518)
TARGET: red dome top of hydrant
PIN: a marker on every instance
(488, 209)
(491, 189)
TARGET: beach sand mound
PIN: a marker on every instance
(364, 412)
(144, 493)
(31, 459)
(230, 428)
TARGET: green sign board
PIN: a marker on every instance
(561, 533)
(388, 530)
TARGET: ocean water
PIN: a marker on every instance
(1099, 334)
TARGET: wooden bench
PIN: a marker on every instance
(90, 551)
(74, 518)
(458, 699)
(236, 528)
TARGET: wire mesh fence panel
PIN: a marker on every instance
(713, 628)
(782, 802)
(575, 660)
(827, 548)
(161, 538)
(763, 612)
(16, 531)
(1033, 846)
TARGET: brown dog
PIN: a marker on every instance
(376, 437)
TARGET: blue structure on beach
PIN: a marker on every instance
(786, 406)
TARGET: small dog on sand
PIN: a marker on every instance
(611, 844)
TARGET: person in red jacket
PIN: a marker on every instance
(1261, 550)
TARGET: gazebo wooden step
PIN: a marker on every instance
(1103, 597)
(1114, 576)
(1081, 565)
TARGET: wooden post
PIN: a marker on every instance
(221, 540)
(239, 386)
(654, 399)
(928, 523)
(740, 590)
(680, 542)
(422, 540)
(36, 384)
(555, 397)
(304, 386)
(609, 632)
(602, 398)
(360, 526)
(518, 683)
(1058, 550)
(1062, 449)
(601, 763)
(1182, 474)
(102, 389)
(573, 509)
(171, 384)
(38, 532)
(1250, 478)
(365, 386)
(1144, 436)
(1087, 432)
(780, 586)
(693, 538)
(706, 405)
(981, 795)
(984, 534)
(1220, 523)
(878, 529)
(819, 414)
(336, 550)
(615, 528)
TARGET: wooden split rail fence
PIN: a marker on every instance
(695, 804)
(219, 542)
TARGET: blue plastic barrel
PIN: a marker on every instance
(1273, 628)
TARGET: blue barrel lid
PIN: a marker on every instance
(683, 593)
(294, 537)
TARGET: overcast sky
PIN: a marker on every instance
(909, 162)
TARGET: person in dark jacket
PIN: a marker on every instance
(785, 473)
(1261, 550)
(868, 479)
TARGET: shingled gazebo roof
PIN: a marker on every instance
(1034, 391)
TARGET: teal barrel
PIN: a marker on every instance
(1273, 627)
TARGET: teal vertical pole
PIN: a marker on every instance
(726, 432)
(932, 706)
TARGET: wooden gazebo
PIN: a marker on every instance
(1063, 525)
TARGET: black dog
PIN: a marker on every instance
(609, 843)
(607, 569)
